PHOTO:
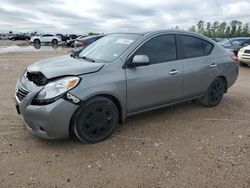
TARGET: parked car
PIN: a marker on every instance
(235, 44)
(5, 36)
(82, 42)
(118, 76)
(54, 39)
(19, 37)
(244, 55)
(63, 37)
(72, 36)
(70, 42)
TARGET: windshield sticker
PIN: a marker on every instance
(124, 41)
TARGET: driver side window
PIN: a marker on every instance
(159, 49)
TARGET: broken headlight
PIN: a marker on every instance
(55, 89)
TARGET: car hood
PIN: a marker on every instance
(64, 65)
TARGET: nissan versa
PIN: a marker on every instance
(121, 75)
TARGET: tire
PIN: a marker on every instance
(54, 41)
(96, 120)
(37, 41)
(214, 93)
(243, 64)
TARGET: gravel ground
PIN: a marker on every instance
(186, 145)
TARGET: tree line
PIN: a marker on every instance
(217, 29)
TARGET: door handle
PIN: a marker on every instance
(213, 65)
(173, 72)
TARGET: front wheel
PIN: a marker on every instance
(96, 120)
(37, 41)
(214, 93)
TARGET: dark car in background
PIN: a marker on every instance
(235, 44)
(19, 37)
(87, 40)
(83, 42)
(72, 38)
(63, 37)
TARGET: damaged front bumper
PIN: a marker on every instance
(50, 121)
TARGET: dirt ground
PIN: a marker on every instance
(186, 145)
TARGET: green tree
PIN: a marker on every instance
(227, 32)
(239, 30)
(177, 28)
(233, 25)
(192, 29)
(200, 26)
(245, 30)
(208, 30)
(214, 29)
(221, 29)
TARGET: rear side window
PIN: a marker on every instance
(195, 47)
(159, 49)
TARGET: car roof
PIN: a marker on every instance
(240, 38)
(92, 36)
(170, 31)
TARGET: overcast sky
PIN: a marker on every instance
(82, 16)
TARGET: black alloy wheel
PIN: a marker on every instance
(96, 120)
(214, 93)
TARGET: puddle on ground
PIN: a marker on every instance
(29, 48)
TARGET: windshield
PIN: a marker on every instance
(225, 43)
(110, 47)
(232, 42)
(238, 42)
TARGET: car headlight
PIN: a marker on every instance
(54, 90)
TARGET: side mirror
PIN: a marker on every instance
(139, 60)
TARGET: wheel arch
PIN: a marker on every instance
(225, 82)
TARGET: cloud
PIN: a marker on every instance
(82, 16)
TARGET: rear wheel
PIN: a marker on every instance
(54, 41)
(214, 93)
(96, 120)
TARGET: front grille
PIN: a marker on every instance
(247, 51)
(21, 93)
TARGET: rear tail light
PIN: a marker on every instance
(235, 58)
(82, 42)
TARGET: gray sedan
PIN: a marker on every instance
(118, 76)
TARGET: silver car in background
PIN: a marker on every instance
(118, 76)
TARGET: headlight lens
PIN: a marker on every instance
(56, 88)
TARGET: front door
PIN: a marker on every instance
(158, 83)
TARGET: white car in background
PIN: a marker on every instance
(54, 39)
(244, 55)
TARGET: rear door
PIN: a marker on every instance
(199, 67)
(158, 83)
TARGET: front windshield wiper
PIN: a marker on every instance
(87, 59)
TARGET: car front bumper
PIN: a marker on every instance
(50, 121)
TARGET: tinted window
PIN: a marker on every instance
(207, 47)
(159, 49)
(195, 47)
